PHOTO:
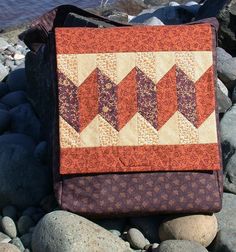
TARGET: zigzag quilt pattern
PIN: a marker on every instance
(137, 101)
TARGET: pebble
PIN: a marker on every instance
(26, 240)
(180, 246)
(4, 120)
(225, 241)
(199, 228)
(3, 44)
(16, 80)
(136, 238)
(4, 238)
(7, 247)
(115, 232)
(14, 99)
(24, 224)
(8, 226)
(10, 211)
(19, 56)
(3, 71)
(69, 231)
(4, 89)
(17, 242)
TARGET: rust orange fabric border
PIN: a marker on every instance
(140, 158)
(125, 39)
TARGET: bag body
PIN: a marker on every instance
(137, 120)
(134, 117)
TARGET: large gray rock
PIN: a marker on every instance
(227, 31)
(228, 137)
(227, 216)
(225, 241)
(23, 181)
(180, 246)
(24, 121)
(62, 231)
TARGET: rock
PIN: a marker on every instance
(199, 228)
(4, 120)
(3, 106)
(14, 99)
(3, 44)
(148, 226)
(24, 224)
(180, 246)
(228, 138)
(17, 80)
(4, 89)
(222, 55)
(191, 3)
(18, 139)
(17, 242)
(225, 241)
(136, 238)
(3, 72)
(11, 49)
(109, 224)
(41, 152)
(19, 56)
(153, 21)
(173, 4)
(227, 72)
(210, 9)
(48, 203)
(10, 211)
(8, 227)
(24, 121)
(4, 238)
(169, 15)
(35, 213)
(222, 87)
(227, 31)
(23, 181)
(26, 240)
(224, 102)
(7, 247)
(68, 232)
(115, 232)
(227, 216)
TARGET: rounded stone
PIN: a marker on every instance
(14, 99)
(41, 152)
(4, 238)
(7, 247)
(18, 139)
(136, 238)
(3, 106)
(4, 89)
(5, 119)
(62, 231)
(8, 226)
(225, 241)
(199, 228)
(26, 240)
(17, 242)
(179, 246)
(10, 211)
(24, 224)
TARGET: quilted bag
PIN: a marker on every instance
(135, 121)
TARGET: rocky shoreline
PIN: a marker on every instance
(30, 219)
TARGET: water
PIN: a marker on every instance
(16, 12)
